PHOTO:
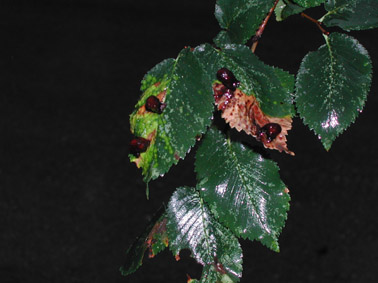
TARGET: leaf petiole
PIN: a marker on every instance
(319, 24)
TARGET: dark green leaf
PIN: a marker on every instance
(184, 88)
(243, 189)
(351, 14)
(286, 8)
(154, 238)
(271, 86)
(332, 86)
(240, 18)
(191, 226)
(210, 274)
(309, 3)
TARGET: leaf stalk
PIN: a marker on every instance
(319, 24)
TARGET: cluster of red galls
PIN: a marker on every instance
(153, 104)
(139, 144)
(227, 78)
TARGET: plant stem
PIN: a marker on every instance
(261, 28)
(319, 24)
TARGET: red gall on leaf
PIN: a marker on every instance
(138, 145)
(243, 112)
(227, 78)
(151, 136)
(154, 105)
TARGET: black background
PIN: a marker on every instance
(70, 201)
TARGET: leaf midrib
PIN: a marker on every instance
(245, 182)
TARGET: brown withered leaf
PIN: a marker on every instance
(243, 112)
(158, 233)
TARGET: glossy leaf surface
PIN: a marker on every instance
(332, 86)
(240, 19)
(309, 3)
(351, 14)
(154, 238)
(192, 226)
(243, 190)
(286, 8)
(271, 86)
(181, 85)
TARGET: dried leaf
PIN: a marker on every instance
(243, 112)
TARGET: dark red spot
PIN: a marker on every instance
(219, 90)
(271, 130)
(218, 266)
(154, 105)
(138, 145)
(227, 78)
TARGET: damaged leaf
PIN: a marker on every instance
(192, 226)
(182, 111)
(272, 87)
(155, 239)
(243, 113)
(263, 94)
(244, 190)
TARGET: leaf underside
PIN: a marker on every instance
(243, 190)
(332, 86)
(352, 14)
(240, 19)
(192, 226)
(182, 86)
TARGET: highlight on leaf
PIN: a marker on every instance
(338, 72)
(243, 190)
(192, 226)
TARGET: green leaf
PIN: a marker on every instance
(351, 14)
(240, 18)
(210, 274)
(309, 3)
(332, 86)
(184, 88)
(243, 190)
(286, 8)
(192, 226)
(271, 86)
(154, 238)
